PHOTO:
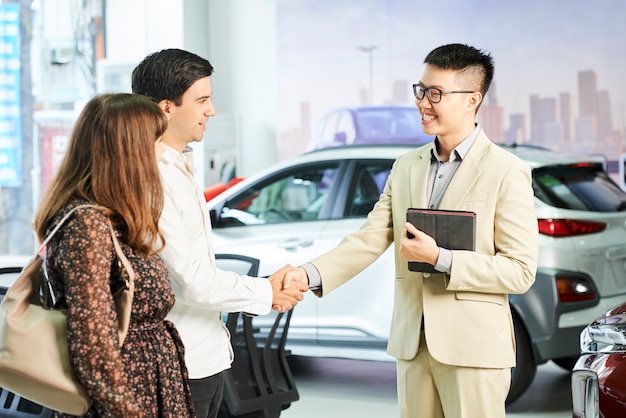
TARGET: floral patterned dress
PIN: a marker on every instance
(147, 376)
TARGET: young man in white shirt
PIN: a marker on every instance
(180, 83)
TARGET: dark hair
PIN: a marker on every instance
(475, 67)
(110, 161)
(168, 74)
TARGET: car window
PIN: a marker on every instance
(346, 125)
(293, 196)
(585, 187)
(374, 125)
(389, 124)
(406, 124)
(327, 127)
(369, 182)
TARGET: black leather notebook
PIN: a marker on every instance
(451, 229)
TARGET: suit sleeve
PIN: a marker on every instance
(358, 250)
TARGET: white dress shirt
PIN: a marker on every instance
(202, 290)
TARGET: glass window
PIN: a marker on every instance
(345, 126)
(391, 124)
(328, 127)
(585, 187)
(294, 196)
(369, 182)
(374, 125)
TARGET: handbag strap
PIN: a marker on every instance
(120, 255)
(59, 225)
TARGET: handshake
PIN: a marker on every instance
(288, 287)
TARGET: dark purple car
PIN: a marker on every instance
(391, 124)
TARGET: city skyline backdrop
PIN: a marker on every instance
(559, 65)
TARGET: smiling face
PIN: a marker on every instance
(452, 119)
(187, 122)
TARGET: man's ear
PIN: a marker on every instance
(475, 99)
(166, 107)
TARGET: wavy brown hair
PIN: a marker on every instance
(110, 161)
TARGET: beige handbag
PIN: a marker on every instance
(34, 360)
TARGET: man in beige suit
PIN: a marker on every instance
(451, 332)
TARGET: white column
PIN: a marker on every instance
(239, 38)
(242, 48)
(139, 27)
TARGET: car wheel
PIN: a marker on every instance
(523, 373)
(566, 363)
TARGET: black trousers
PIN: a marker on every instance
(206, 394)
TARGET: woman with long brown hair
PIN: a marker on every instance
(111, 164)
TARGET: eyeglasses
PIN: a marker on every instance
(434, 94)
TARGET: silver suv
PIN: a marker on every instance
(299, 209)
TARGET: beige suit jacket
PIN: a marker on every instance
(467, 318)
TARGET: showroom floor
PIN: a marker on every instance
(334, 388)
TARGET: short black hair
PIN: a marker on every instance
(168, 74)
(467, 60)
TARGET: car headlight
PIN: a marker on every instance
(603, 338)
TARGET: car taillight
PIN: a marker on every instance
(574, 289)
(569, 227)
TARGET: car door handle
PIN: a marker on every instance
(293, 243)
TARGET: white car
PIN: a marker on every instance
(298, 209)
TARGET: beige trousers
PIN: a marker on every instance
(429, 389)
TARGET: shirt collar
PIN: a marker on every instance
(170, 156)
(460, 151)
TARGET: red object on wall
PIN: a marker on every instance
(53, 139)
(211, 192)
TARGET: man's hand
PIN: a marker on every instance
(283, 297)
(297, 275)
(420, 247)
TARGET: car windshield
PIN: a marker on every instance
(585, 187)
(386, 125)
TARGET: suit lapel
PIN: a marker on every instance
(467, 173)
(419, 177)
